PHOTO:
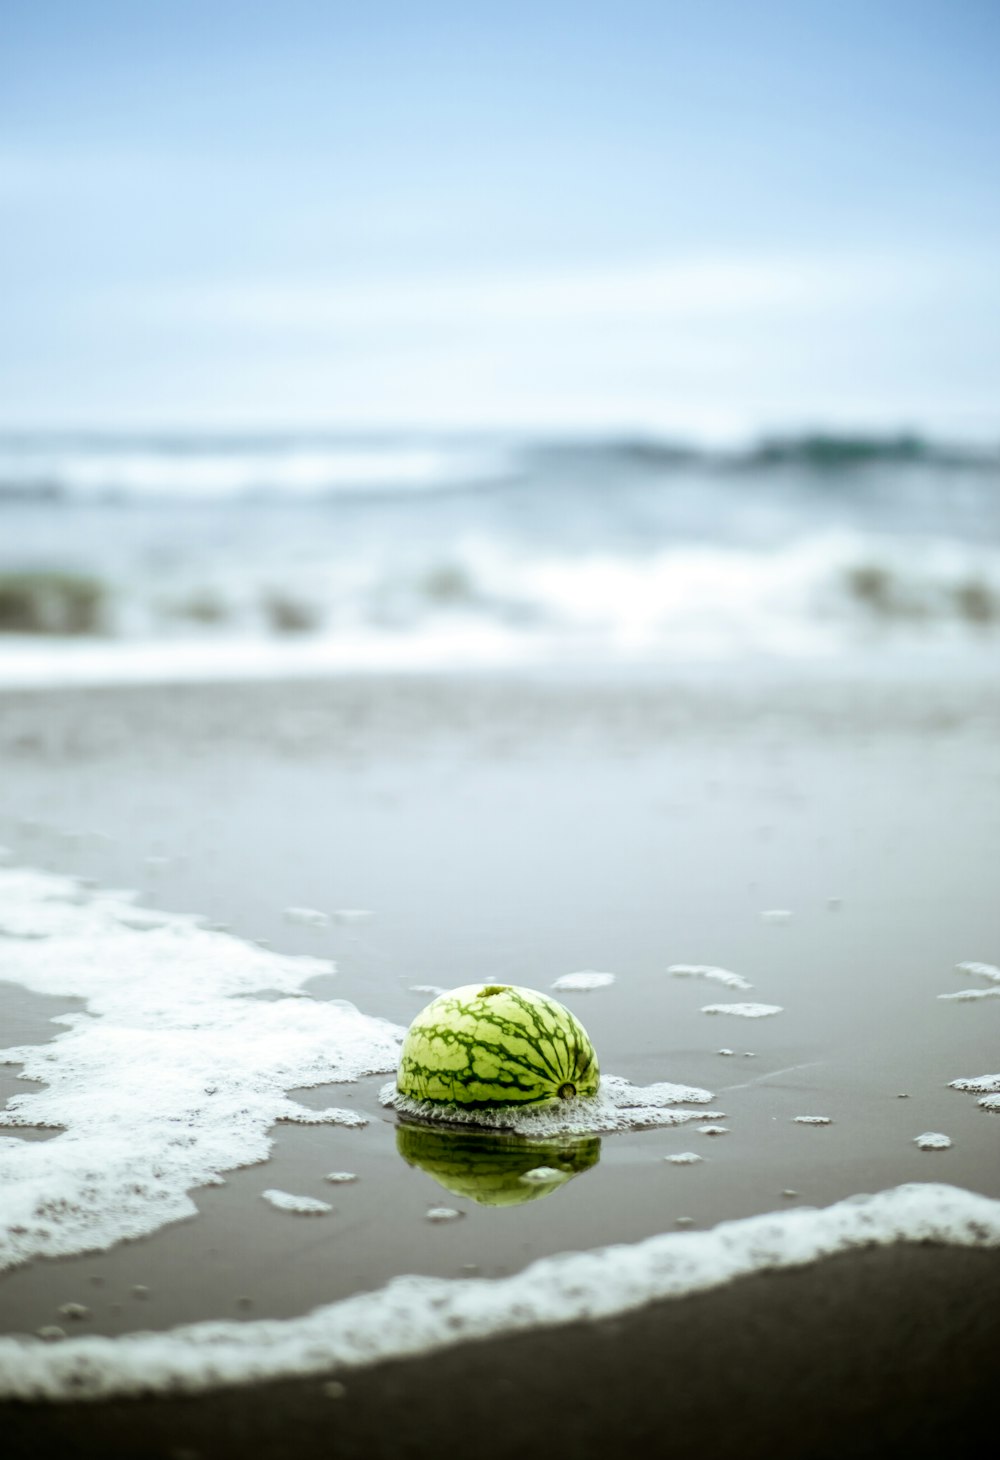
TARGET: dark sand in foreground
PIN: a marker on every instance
(515, 830)
(875, 1354)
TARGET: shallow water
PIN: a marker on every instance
(514, 851)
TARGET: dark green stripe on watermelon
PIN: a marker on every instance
(484, 1046)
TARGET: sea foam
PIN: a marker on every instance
(743, 1011)
(980, 970)
(714, 975)
(618, 1105)
(988, 1086)
(583, 982)
(173, 1075)
(419, 1315)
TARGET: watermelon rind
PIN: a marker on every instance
(487, 1046)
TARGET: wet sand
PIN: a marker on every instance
(877, 1354)
(518, 830)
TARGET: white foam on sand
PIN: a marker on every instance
(980, 970)
(981, 1083)
(715, 975)
(743, 1011)
(986, 1085)
(933, 1140)
(811, 1119)
(618, 1105)
(302, 1206)
(418, 1315)
(968, 996)
(583, 982)
(331, 1115)
(307, 917)
(173, 1075)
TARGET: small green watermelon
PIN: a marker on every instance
(495, 1170)
(488, 1045)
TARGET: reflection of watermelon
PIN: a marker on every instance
(490, 1168)
(487, 1045)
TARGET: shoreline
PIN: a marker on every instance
(515, 823)
(883, 1353)
(419, 1317)
(866, 654)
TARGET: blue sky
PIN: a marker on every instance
(710, 219)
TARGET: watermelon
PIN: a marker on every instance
(488, 1045)
(491, 1169)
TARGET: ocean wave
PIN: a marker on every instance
(195, 468)
(323, 554)
(59, 466)
(271, 609)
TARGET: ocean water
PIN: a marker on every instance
(154, 558)
(175, 1089)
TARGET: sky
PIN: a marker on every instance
(709, 220)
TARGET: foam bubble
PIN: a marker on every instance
(981, 1084)
(743, 1011)
(932, 1140)
(980, 970)
(173, 1074)
(986, 1085)
(331, 1115)
(684, 1158)
(419, 1315)
(715, 975)
(302, 1206)
(811, 1119)
(968, 996)
(307, 917)
(618, 1105)
(584, 981)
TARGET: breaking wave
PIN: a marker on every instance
(318, 555)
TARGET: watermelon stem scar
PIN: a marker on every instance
(488, 1045)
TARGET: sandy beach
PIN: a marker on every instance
(829, 839)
